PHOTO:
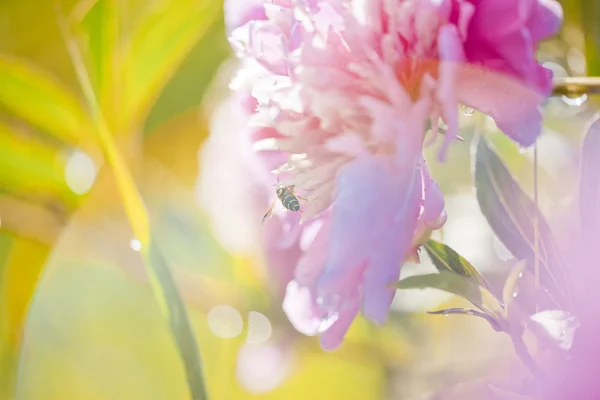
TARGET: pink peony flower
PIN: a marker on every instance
(343, 91)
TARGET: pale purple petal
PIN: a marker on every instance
(384, 268)
(333, 337)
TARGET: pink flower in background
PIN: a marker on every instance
(342, 92)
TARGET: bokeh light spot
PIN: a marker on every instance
(80, 172)
(259, 328)
(225, 321)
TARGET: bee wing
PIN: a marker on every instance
(269, 213)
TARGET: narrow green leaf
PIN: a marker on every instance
(446, 259)
(468, 311)
(31, 94)
(179, 323)
(101, 27)
(510, 213)
(161, 281)
(165, 34)
(456, 284)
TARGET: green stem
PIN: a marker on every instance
(161, 281)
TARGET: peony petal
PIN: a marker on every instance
(451, 55)
(433, 199)
(313, 261)
(240, 12)
(333, 337)
(514, 106)
(298, 306)
(545, 20)
(496, 19)
(392, 247)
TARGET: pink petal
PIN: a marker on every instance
(495, 19)
(313, 261)
(240, 12)
(546, 19)
(451, 56)
(514, 106)
(333, 337)
(299, 307)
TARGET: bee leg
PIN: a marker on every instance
(300, 197)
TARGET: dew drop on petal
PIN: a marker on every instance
(468, 111)
(575, 101)
(515, 294)
(520, 274)
(326, 321)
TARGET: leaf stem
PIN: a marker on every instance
(525, 357)
(161, 281)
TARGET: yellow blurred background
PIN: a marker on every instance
(78, 318)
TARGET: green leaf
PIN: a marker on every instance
(446, 259)
(187, 87)
(30, 167)
(100, 23)
(165, 34)
(459, 285)
(468, 311)
(511, 284)
(510, 213)
(31, 94)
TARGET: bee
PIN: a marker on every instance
(288, 198)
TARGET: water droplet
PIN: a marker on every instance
(564, 333)
(520, 274)
(326, 321)
(515, 294)
(135, 245)
(575, 101)
(468, 111)
(320, 300)
(522, 150)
